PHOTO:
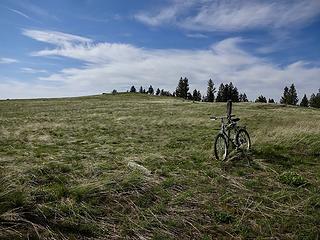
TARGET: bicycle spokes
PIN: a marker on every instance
(243, 140)
(221, 148)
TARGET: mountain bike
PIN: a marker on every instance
(230, 132)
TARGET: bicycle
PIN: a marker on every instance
(240, 139)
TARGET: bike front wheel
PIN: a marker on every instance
(243, 140)
(220, 147)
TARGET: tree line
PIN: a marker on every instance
(290, 97)
(227, 92)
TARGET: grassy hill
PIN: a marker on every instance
(68, 170)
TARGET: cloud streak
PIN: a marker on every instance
(5, 60)
(57, 38)
(19, 13)
(33, 70)
(233, 15)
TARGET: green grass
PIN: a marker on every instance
(66, 170)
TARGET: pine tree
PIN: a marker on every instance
(196, 95)
(229, 92)
(165, 93)
(226, 93)
(179, 88)
(261, 99)
(293, 97)
(114, 91)
(271, 100)
(158, 92)
(290, 96)
(243, 97)
(220, 93)
(182, 88)
(210, 91)
(315, 100)
(199, 96)
(132, 89)
(304, 101)
(141, 90)
(285, 98)
(150, 90)
(186, 86)
(234, 94)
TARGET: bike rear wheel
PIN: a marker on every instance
(243, 140)
(220, 147)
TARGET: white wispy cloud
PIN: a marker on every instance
(196, 35)
(19, 13)
(108, 66)
(233, 15)
(33, 70)
(57, 38)
(5, 60)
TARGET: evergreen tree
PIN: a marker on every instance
(150, 90)
(261, 99)
(141, 90)
(199, 96)
(210, 91)
(285, 98)
(114, 91)
(234, 94)
(312, 100)
(315, 100)
(165, 93)
(144, 91)
(186, 86)
(182, 88)
(196, 95)
(132, 89)
(189, 96)
(179, 88)
(304, 101)
(243, 97)
(290, 96)
(293, 96)
(220, 93)
(226, 93)
(158, 92)
(271, 100)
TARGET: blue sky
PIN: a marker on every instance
(72, 48)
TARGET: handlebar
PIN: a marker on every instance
(221, 117)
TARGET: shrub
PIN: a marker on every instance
(292, 179)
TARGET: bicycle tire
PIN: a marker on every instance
(220, 138)
(242, 138)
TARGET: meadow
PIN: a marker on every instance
(136, 166)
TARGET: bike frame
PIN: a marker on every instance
(226, 132)
(229, 124)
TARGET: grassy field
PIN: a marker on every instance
(141, 167)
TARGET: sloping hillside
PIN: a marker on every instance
(141, 167)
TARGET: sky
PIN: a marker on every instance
(83, 47)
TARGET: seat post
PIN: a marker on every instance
(229, 109)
